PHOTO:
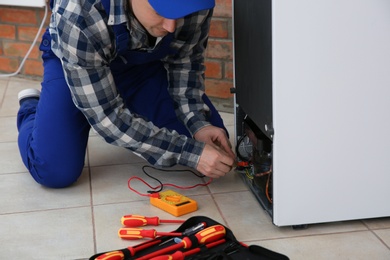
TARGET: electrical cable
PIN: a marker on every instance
(161, 185)
(29, 50)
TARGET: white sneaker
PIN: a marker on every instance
(28, 93)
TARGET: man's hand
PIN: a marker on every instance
(217, 157)
(213, 135)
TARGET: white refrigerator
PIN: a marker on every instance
(314, 76)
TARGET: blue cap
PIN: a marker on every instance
(174, 9)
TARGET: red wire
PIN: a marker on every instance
(164, 184)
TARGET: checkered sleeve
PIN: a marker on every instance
(186, 70)
(80, 38)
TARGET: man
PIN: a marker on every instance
(136, 75)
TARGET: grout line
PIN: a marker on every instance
(379, 238)
(91, 204)
(2, 99)
(42, 210)
(373, 232)
(306, 236)
(218, 208)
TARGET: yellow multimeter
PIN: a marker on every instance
(174, 203)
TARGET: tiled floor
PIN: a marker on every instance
(76, 222)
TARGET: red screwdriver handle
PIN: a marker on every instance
(179, 255)
(136, 233)
(114, 255)
(204, 236)
(139, 221)
(211, 234)
(185, 243)
(118, 255)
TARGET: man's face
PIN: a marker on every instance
(155, 24)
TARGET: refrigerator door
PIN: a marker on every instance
(331, 110)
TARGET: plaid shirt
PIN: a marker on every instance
(85, 43)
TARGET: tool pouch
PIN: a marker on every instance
(230, 249)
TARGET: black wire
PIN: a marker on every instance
(161, 184)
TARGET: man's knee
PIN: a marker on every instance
(56, 176)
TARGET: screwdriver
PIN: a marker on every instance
(188, 232)
(205, 236)
(118, 255)
(138, 233)
(138, 221)
(179, 255)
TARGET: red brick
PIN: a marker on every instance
(218, 49)
(213, 69)
(218, 88)
(20, 49)
(8, 64)
(7, 31)
(33, 67)
(28, 33)
(17, 15)
(219, 28)
(229, 70)
(223, 8)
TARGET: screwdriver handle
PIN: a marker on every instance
(185, 243)
(210, 234)
(113, 255)
(118, 255)
(179, 255)
(139, 221)
(138, 233)
(205, 236)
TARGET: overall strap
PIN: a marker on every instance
(122, 35)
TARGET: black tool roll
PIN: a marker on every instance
(214, 242)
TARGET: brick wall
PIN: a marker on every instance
(19, 25)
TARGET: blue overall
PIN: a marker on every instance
(53, 133)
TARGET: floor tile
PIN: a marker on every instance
(10, 160)
(360, 245)
(8, 130)
(231, 182)
(46, 235)
(228, 119)
(20, 193)
(377, 223)
(249, 221)
(3, 87)
(99, 149)
(384, 234)
(11, 104)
